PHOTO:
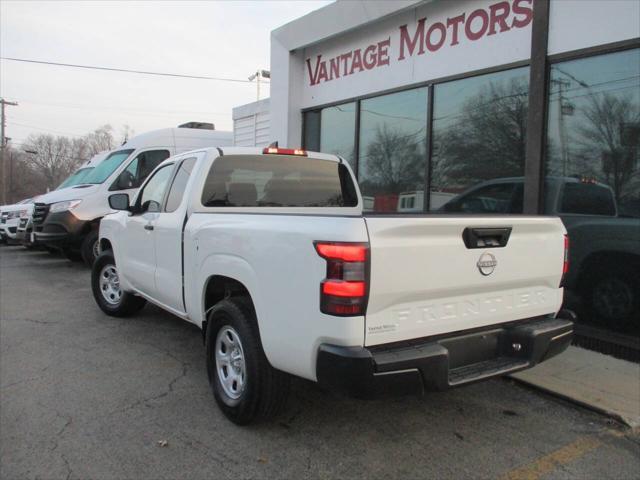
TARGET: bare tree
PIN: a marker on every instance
(21, 180)
(395, 161)
(54, 158)
(100, 140)
(604, 152)
(488, 139)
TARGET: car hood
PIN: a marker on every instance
(17, 207)
(70, 193)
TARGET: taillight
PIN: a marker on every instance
(284, 151)
(565, 265)
(344, 290)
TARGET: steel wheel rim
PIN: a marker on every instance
(96, 249)
(110, 285)
(230, 362)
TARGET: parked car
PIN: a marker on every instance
(10, 217)
(68, 219)
(605, 243)
(269, 253)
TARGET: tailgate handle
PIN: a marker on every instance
(486, 237)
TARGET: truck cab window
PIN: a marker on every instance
(277, 181)
(179, 184)
(153, 192)
(139, 169)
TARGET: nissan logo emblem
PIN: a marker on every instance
(487, 264)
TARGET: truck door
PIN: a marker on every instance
(168, 232)
(139, 244)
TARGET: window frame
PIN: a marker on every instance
(114, 188)
(178, 165)
(138, 203)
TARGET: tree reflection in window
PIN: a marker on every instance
(594, 123)
(393, 141)
(479, 132)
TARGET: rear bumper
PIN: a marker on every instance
(441, 363)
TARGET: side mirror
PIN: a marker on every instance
(119, 201)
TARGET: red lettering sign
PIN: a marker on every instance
(425, 37)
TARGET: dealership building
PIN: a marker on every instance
(478, 107)
(426, 99)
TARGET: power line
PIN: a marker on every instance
(46, 129)
(126, 70)
(140, 111)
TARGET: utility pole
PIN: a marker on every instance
(257, 76)
(3, 145)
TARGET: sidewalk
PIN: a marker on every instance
(596, 381)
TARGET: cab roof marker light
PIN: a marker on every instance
(284, 151)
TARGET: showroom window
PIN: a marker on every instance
(338, 126)
(311, 139)
(392, 156)
(593, 182)
(479, 138)
(593, 126)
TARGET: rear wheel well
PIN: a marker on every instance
(220, 288)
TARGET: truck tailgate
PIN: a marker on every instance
(427, 280)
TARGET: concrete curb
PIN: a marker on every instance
(592, 380)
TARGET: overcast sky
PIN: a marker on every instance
(225, 38)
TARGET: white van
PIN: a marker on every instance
(69, 218)
(26, 223)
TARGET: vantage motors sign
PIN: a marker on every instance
(439, 39)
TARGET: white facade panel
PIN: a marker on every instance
(576, 24)
(251, 124)
(456, 37)
(435, 40)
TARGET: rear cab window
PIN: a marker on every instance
(277, 181)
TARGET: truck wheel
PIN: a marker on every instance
(615, 297)
(246, 387)
(90, 248)
(105, 285)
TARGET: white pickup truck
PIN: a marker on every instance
(268, 251)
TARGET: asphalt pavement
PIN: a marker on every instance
(83, 395)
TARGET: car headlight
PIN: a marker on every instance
(64, 206)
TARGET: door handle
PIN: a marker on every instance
(148, 227)
(486, 237)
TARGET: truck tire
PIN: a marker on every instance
(246, 387)
(105, 285)
(614, 297)
(89, 248)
